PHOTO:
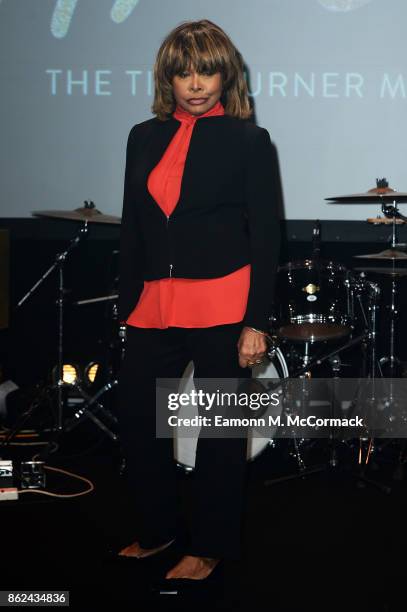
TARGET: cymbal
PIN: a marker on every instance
(387, 254)
(378, 194)
(93, 215)
(386, 271)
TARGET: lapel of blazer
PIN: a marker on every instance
(159, 140)
(199, 148)
(155, 146)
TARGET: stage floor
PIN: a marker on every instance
(321, 542)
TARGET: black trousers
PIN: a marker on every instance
(220, 467)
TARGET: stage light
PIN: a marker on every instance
(91, 371)
(70, 373)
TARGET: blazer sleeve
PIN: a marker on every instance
(264, 200)
(130, 258)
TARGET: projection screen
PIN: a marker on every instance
(327, 79)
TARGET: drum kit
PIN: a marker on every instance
(324, 302)
(323, 311)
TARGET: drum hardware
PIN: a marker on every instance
(325, 306)
(355, 289)
(311, 289)
(291, 326)
(391, 213)
(90, 407)
(333, 443)
(116, 354)
(58, 264)
(390, 361)
(305, 372)
(316, 240)
(59, 387)
(369, 369)
(371, 351)
(116, 347)
(359, 289)
(103, 298)
(364, 458)
(311, 362)
(389, 200)
(370, 364)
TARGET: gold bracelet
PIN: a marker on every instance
(259, 331)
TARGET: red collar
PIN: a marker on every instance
(184, 116)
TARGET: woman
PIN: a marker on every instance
(199, 250)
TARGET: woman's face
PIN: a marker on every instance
(197, 93)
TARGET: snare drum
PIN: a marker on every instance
(316, 301)
(185, 448)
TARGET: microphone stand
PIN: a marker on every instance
(59, 262)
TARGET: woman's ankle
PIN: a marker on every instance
(138, 551)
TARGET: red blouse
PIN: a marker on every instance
(183, 302)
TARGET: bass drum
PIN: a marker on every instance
(185, 448)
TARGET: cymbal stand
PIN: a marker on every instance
(305, 375)
(391, 360)
(371, 368)
(116, 348)
(304, 371)
(391, 211)
(58, 264)
(60, 386)
(368, 341)
(92, 405)
(370, 363)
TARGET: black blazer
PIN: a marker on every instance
(226, 216)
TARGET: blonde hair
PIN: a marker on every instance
(205, 47)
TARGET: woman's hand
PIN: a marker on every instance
(252, 347)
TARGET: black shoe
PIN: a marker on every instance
(188, 587)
